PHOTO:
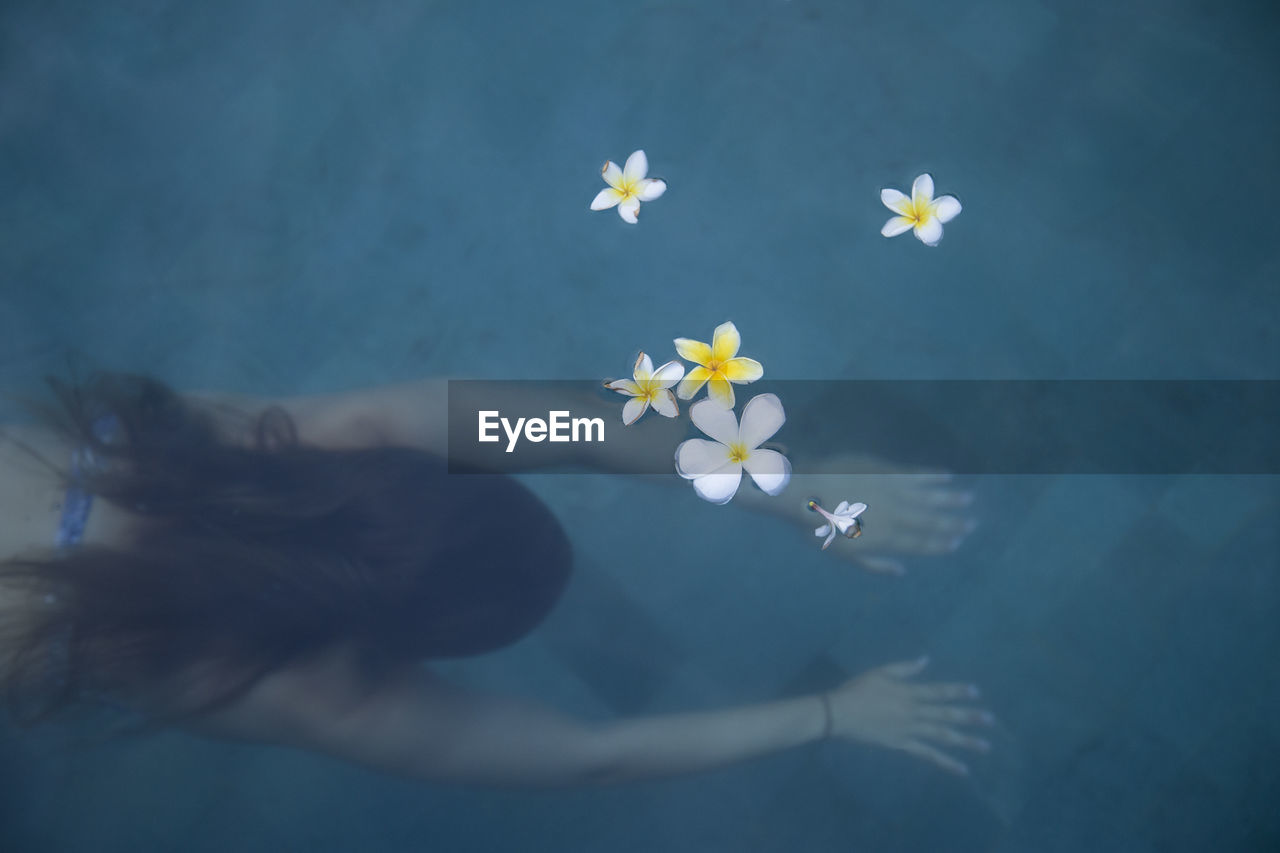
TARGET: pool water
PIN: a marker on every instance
(299, 197)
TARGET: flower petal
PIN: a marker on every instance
(636, 168)
(693, 383)
(651, 188)
(840, 507)
(823, 530)
(946, 208)
(929, 231)
(698, 457)
(725, 342)
(643, 369)
(715, 420)
(606, 199)
(761, 418)
(634, 408)
(612, 174)
(628, 209)
(695, 351)
(664, 403)
(896, 201)
(669, 374)
(897, 225)
(742, 369)
(922, 191)
(831, 535)
(720, 391)
(624, 386)
(720, 487)
(770, 469)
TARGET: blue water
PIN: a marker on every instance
(290, 197)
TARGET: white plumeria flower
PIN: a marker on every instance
(921, 211)
(844, 521)
(628, 186)
(716, 466)
(649, 388)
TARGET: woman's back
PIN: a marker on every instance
(222, 547)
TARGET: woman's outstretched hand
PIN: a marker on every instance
(884, 707)
(910, 512)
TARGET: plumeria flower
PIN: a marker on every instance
(628, 186)
(716, 466)
(718, 365)
(844, 521)
(649, 388)
(922, 211)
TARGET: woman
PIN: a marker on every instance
(281, 576)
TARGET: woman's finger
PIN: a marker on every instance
(951, 737)
(927, 476)
(883, 565)
(942, 692)
(953, 525)
(935, 756)
(939, 544)
(906, 669)
(952, 714)
(914, 520)
(946, 498)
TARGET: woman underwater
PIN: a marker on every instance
(282, 576)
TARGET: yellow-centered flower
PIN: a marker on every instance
(716, 466)
(921, 212)
(718, 365)
(649, 388)
(628, 186)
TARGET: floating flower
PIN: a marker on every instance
(844, 520)
(649, 388)
(718, 365)
(628, 186)
(922, 211)
(716, 466)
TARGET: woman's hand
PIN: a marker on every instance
(884, 708)
(910, 512)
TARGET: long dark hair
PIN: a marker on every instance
(253, 555)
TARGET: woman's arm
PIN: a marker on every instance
(912, 512)
(425, 728)
(409, 723)
(417, 415)
(412, 414)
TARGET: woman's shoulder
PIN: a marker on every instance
(408, 415)
(31, 486)
(30, 504)
(18, 441)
